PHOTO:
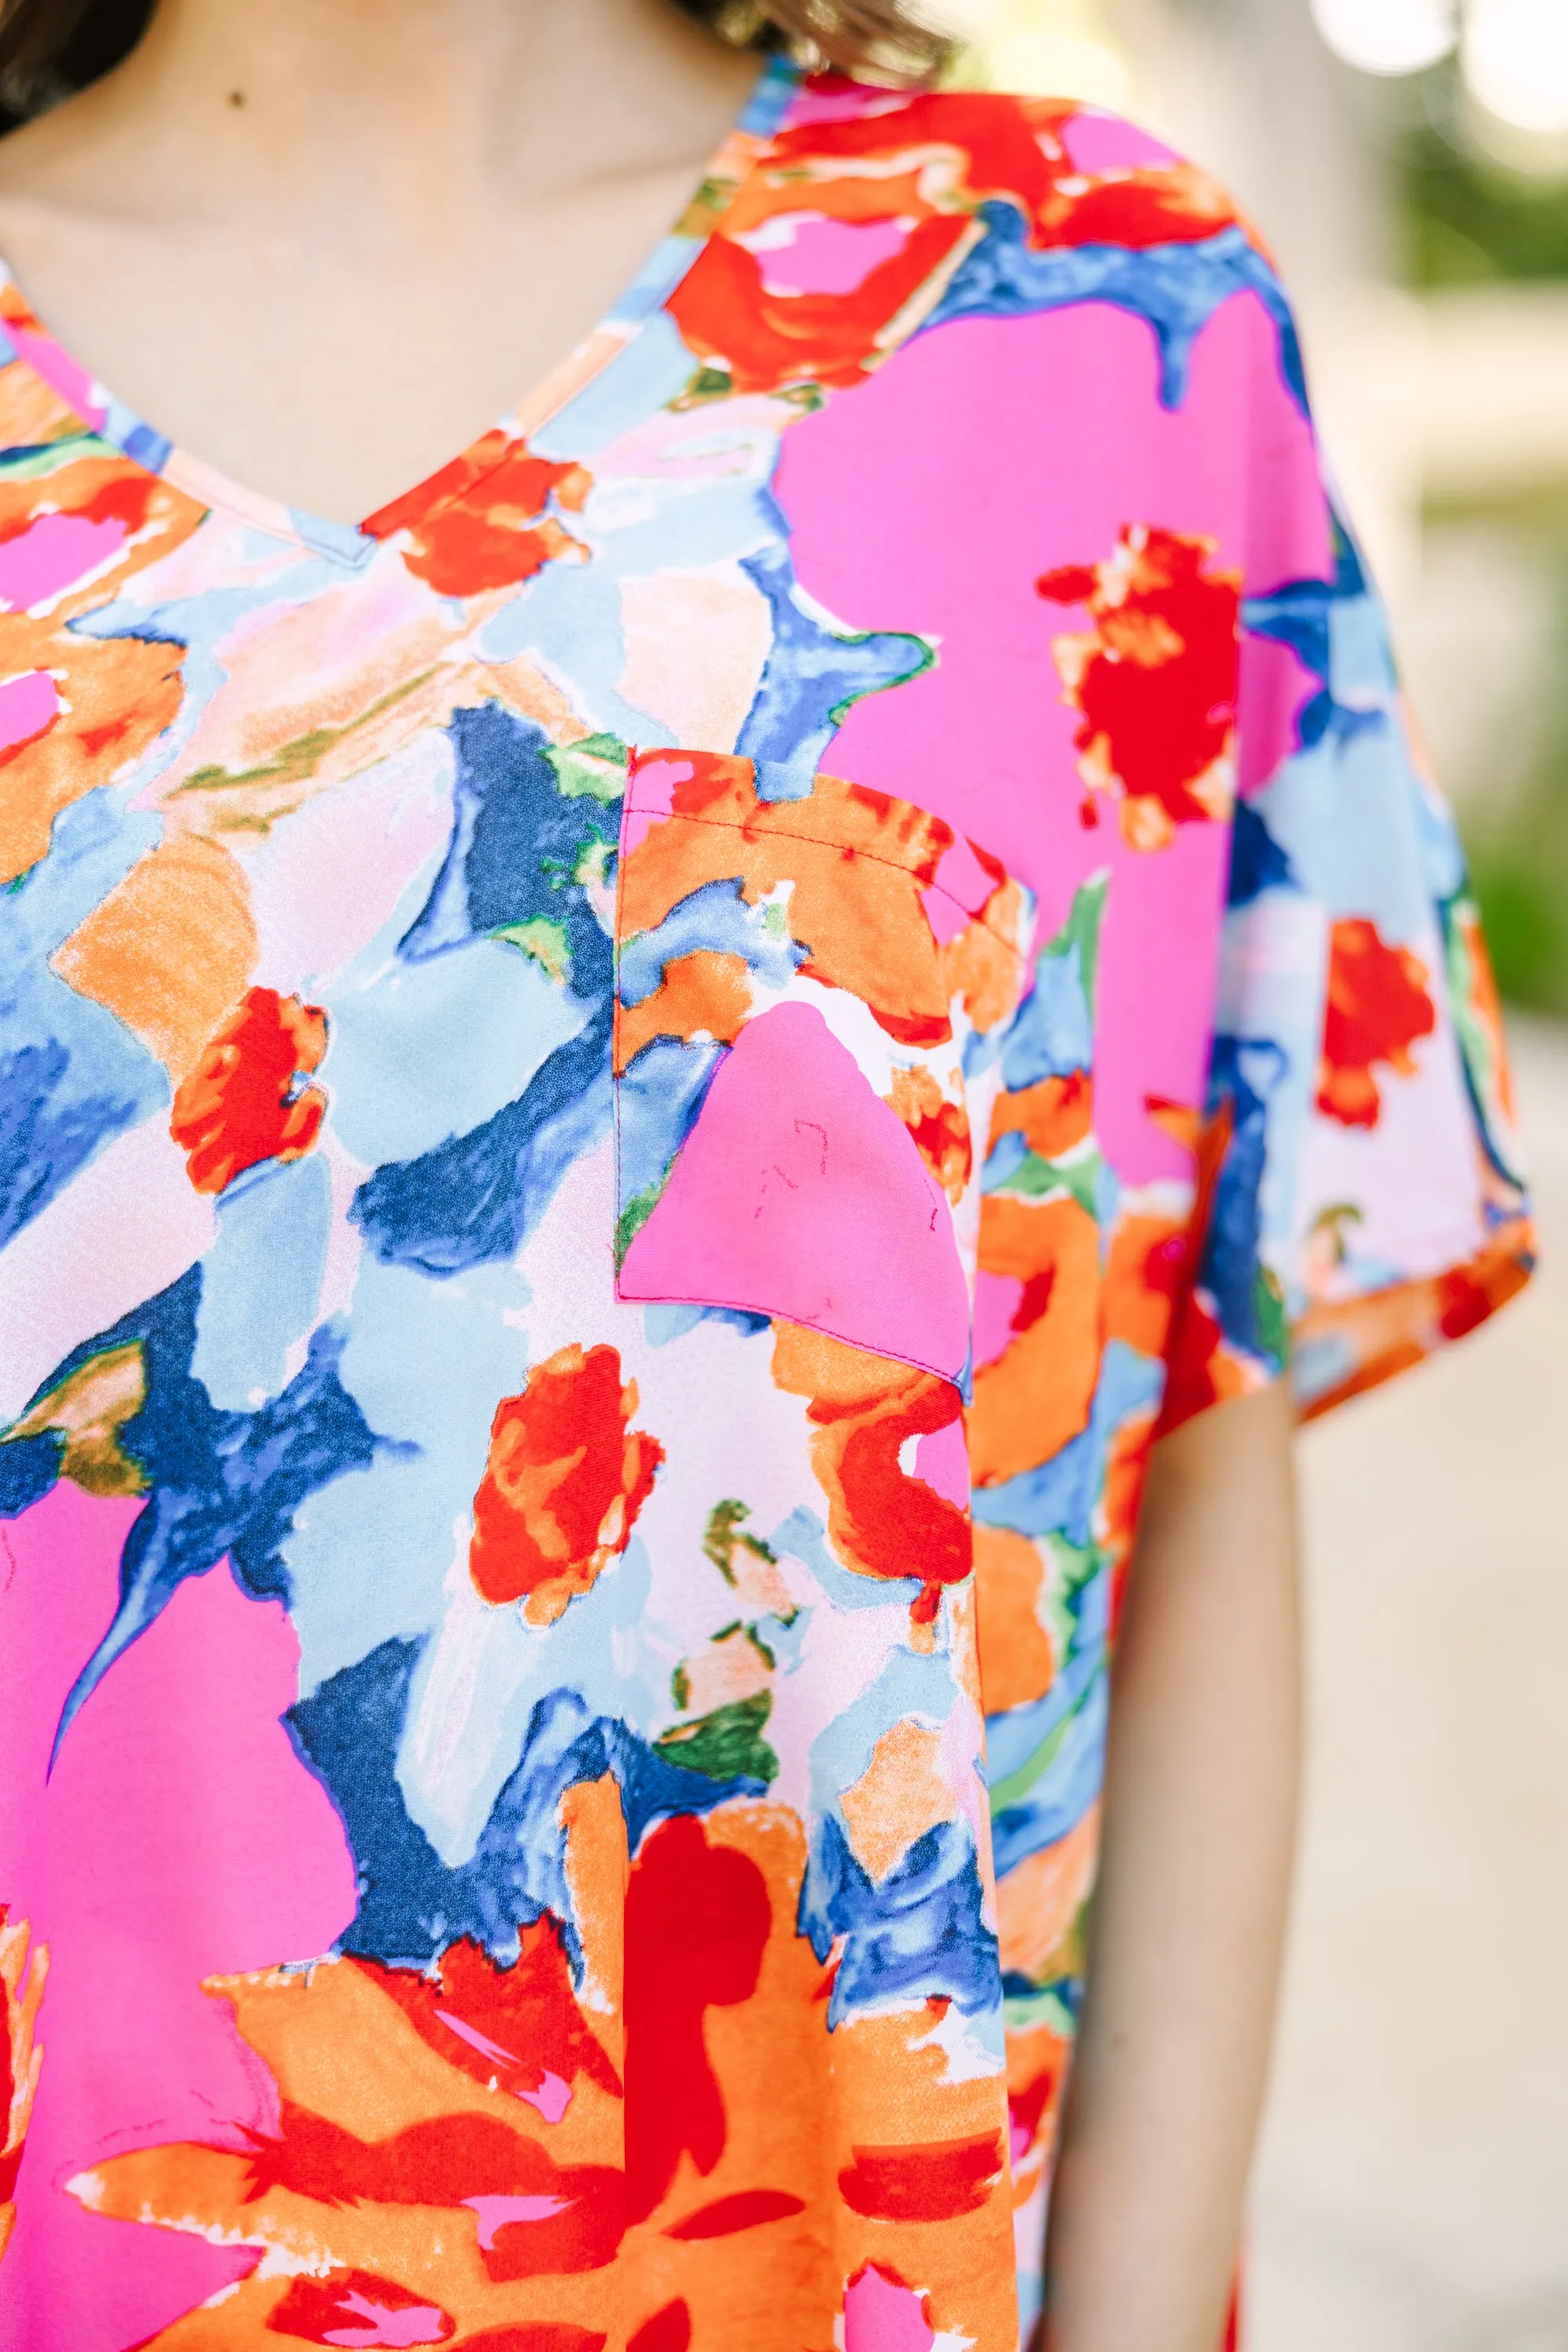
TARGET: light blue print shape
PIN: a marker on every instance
(910, 1688)
(261, 1278)
(1070, 1779)
(802, 1537)
(426, 1360)
(480, 1679)
(424, 1051)
(1347, 815)
(1045, 1761)
(814, 673)
(715, 917)
(653, 370)
(206, 623)
(569, 624)
(72, 1076)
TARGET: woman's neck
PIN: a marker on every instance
(324, 243)
(424, 109)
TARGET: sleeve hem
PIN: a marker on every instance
(1342, 1350)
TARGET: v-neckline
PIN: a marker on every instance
(113, 421)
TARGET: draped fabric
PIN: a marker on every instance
(628, 1095)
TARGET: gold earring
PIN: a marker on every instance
(740, 23)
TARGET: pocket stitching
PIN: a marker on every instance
(730, 824)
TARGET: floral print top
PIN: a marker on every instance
(628, 1096)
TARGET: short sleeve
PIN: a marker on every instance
(1360, 1198)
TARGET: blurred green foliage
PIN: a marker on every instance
(1468, 221)
(1524, 908)
(1519, 850)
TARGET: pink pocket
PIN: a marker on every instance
(800, 988)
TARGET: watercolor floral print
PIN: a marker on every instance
(627, 1097)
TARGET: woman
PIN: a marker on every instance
(614, 1076)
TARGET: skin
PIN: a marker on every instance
(324, 255)
(1200, 1812)
(353, 180)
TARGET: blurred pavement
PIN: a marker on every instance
(1412, 2194)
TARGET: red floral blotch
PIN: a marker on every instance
(565, 1482)
(346, 2305)
(697, 1921)
(1027, 2109)
(765, 341)
(575, 2214)
(516, 2026)
(930, 2181)
(996, 137)
(669, 2330)
(865, 1408)
(940, 1128)
(900, 1526)
(246, 1100)
(1154, 683)
(537, 2335)
(1378, 1005)
(483, 522)
(937, 160)
(1012, 149)
(1175, 204)
(747, 2210)
(10, 2157)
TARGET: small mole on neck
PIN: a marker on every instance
(237, 98)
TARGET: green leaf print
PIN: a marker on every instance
(725, 1744)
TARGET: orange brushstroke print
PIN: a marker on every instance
(1035, 1397)
(76, 709)
(397, 2187)
(865, 1409)
(857, 861)
(169, 948)
(703, 994)
(940, 1128)
(1017, 1658)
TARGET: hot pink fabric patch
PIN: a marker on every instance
(794, 1160)
(881, 2315)
(177, 1837)
(27, 703)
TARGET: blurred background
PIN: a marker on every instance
(1407, 162)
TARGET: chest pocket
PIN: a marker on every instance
(809, 999)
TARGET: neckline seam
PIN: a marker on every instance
(350, 546)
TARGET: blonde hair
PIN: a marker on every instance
(867, 36)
